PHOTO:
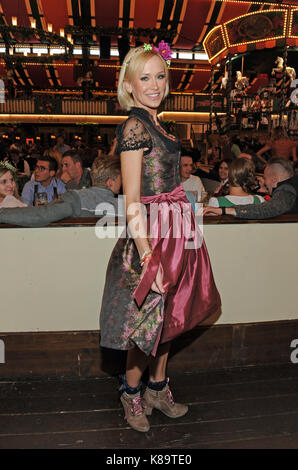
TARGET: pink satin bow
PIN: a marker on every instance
(172, 225)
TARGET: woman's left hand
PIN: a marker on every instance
(157, 285)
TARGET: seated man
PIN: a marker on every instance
(191, 184)
(281, 182)
(95, 201)
(73, 174)
(44, 181)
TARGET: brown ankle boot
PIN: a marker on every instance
(134, 412)
(164, 402)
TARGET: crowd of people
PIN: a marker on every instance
(235, 184)
(235, 171)
(41, 175)
(280, 184)
(256, 146)
(57, 174)
(32, 176)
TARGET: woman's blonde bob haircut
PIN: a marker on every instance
(133, 63)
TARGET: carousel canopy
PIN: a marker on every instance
(52, 44)
(253, 31)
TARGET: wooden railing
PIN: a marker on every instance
(14, 106)
(84, 107)
(208, 220)
(108, 106)
(179, 103)
(49, 105)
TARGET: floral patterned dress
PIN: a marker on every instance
(123, 323)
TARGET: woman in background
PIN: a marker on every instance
(280, 146)
(8, 188)
(222, 170)
(242, 181)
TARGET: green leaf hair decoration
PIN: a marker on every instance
(147, 47)
(7, 166)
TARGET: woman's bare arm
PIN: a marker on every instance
(264, 149)
(131, 169)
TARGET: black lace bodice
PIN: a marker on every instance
(161, 157)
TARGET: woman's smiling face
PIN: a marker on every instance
(7, 184)
(223, 171)
(149, 85)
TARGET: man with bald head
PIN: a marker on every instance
(281, 183)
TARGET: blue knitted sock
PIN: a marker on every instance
(158, 386)
(127, 388)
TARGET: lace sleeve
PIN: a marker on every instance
(132, 135)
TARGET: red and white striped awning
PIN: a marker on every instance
(192, 19)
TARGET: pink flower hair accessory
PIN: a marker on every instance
(165, 51)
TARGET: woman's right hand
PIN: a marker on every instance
(263, 187)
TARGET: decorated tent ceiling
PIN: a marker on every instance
(186, 22)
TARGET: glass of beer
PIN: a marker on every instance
(41, 199)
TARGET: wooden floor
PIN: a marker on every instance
(253, 407)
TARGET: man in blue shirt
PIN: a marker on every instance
(44, 182)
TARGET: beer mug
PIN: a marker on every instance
(41, 199)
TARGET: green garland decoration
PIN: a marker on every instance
(25, 34)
